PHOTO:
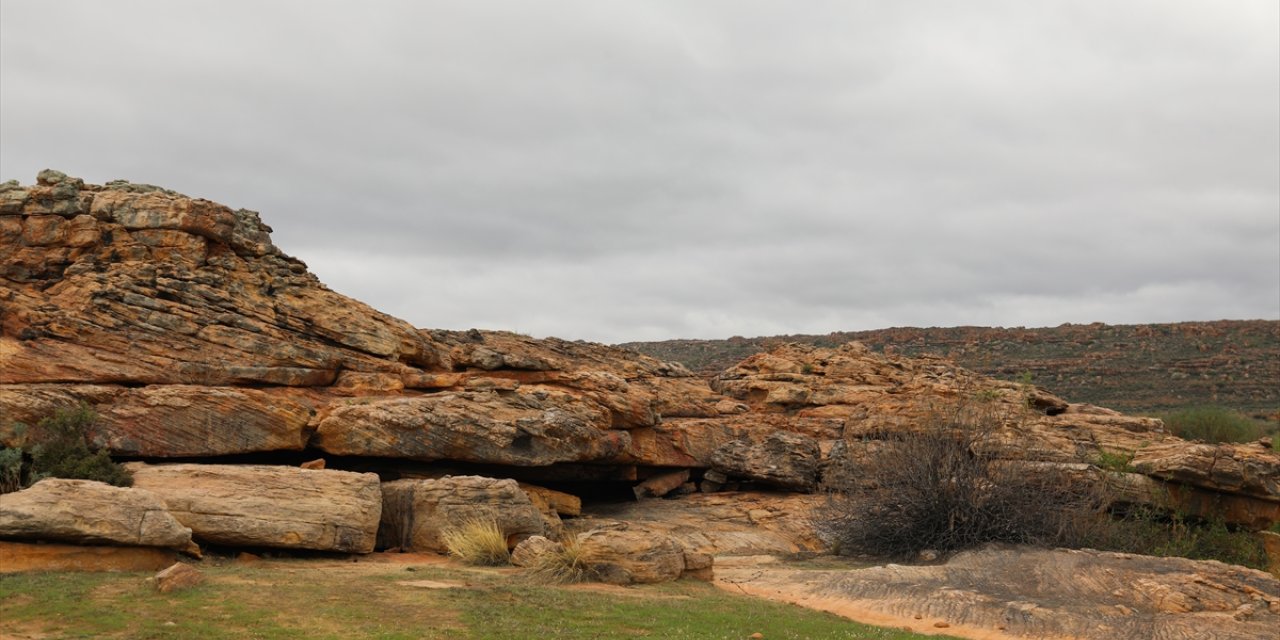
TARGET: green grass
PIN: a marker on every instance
(292, 599)
(1212, 424)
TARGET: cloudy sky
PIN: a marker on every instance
(657, 169)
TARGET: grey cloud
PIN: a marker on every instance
(662, 169)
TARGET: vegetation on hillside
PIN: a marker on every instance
(1212, 424)
(1149, 368)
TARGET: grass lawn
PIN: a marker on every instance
(343, 600)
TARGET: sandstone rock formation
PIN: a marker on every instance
(192, 336)
(1037, 593)
(88, 512)
(415, 513)
(269, 506)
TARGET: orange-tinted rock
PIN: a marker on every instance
(528, 427)
(1250, 469)
(178, 577)
(134, 284)
(163, 420)
(20, 557)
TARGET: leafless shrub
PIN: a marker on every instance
(935, 486)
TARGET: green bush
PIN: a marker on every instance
(64, 451)
(10, 470)
(1153, 532)
(1119, 461)
(1212, 424)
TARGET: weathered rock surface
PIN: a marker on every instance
(741, 523)
(164, 420)
(531, 550)
(1247, 469)
(269, 506)
(21, 557)
(525, 428)
(178, 577)
(89, 512)
(134, 284)
(623, 556)
(1030, 593)
(416, 512)
(787, 460)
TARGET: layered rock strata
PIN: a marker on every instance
(192, 336)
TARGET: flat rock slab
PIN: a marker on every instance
(521, 428)
(22, 557)
(269, 506)
(1036, 593)
(89, 512)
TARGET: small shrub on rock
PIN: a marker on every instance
(10, 470)
(478, 542)
(65, 452)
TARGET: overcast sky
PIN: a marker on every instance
(620, 171)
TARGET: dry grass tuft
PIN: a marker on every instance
(566, 564)
(478, 542)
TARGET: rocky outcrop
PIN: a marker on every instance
(269, 506)
(134, 284)
(1247, 469)
(88, 512)
(1036, 593)
(416, 513)
(193, 336)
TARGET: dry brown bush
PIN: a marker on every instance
(937, 487)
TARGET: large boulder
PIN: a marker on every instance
(89, 512)
(622, 556)
(269, 506)
(416, 513)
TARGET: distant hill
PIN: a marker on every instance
(1144, 368)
